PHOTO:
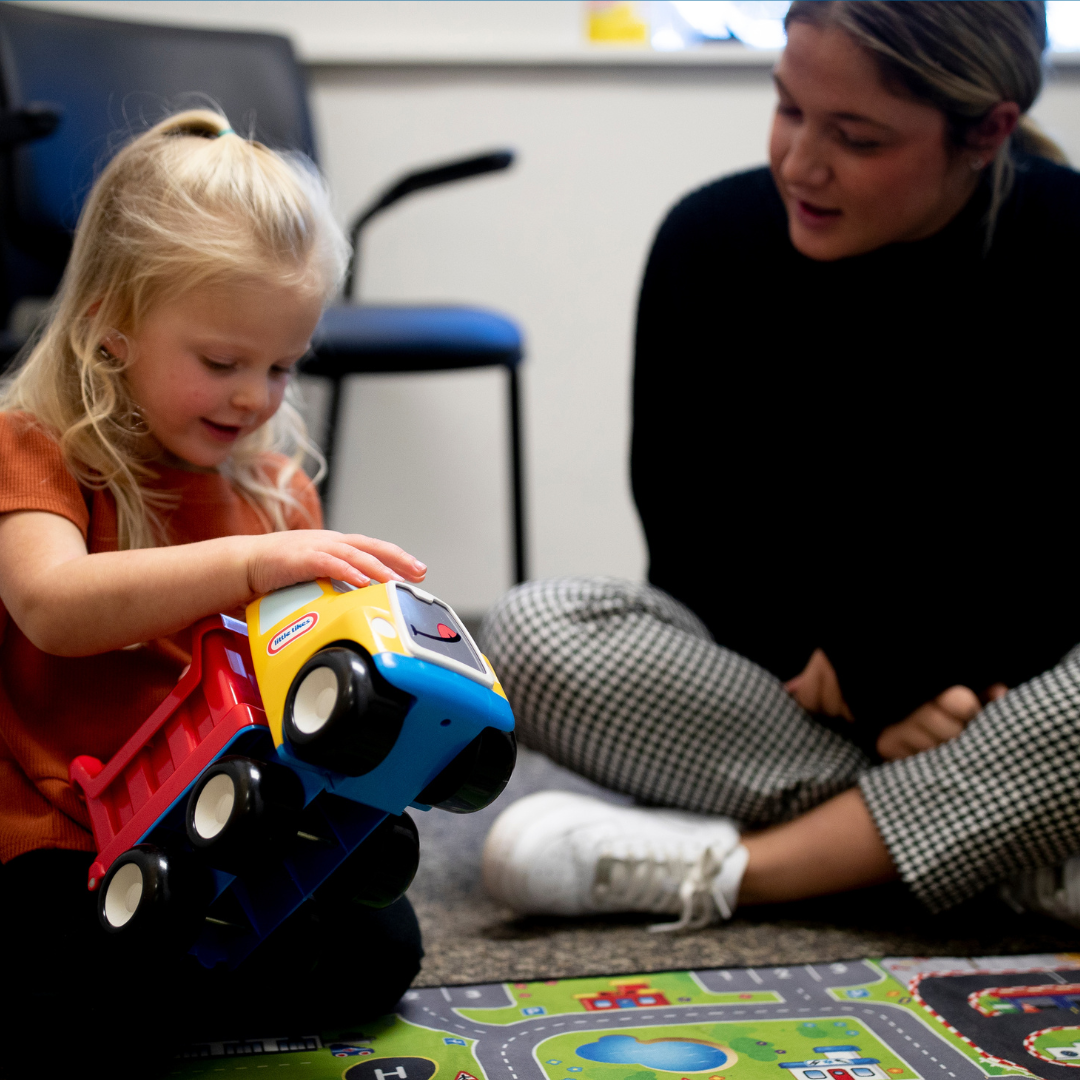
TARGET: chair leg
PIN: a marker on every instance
(516, 476)
(330, 444)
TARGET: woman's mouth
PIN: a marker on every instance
(815, 216)
(222, 432)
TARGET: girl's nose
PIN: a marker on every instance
(251, 396)
(805, 164)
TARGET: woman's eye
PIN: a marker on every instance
(790, 111)
(853, 143)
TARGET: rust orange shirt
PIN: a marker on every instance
(52, 707)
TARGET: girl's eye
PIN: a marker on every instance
(222, 366)
(281, 372)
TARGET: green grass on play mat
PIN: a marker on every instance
(733, 1024)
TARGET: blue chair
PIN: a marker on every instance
(70, 83)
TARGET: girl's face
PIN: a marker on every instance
(211, 366)
(857, 166)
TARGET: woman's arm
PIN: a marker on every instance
(70, 603)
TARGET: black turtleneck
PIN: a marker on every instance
(878, 455)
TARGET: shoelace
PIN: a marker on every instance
(643, 880)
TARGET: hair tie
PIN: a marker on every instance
(225, 131)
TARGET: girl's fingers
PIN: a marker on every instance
(366, 563)
(389, 555)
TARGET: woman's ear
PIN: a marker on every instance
(986, 137)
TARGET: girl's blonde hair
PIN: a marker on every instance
(961, 56)
(187, 204)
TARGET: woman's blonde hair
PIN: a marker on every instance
(961, 56)
(187, 204)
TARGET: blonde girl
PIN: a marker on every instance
(150, 475)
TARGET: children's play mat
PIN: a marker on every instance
(880, 1019)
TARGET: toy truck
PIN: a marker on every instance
(281, 765)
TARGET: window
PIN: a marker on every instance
(759, 24)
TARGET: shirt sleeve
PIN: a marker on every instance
(34, 475)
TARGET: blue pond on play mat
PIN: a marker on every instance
(667, 1055)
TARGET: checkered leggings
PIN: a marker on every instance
(623, 684)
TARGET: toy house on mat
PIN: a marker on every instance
(837, 1063)
(625, 996)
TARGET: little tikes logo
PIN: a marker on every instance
(291, 632)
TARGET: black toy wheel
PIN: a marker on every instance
(340, 713)
(242, 809)
(476, 777)
(151, 891)
(380, 869)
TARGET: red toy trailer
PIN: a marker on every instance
(215, 700)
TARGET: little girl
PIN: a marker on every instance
(143, 485)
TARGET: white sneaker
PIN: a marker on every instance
(557, 853)
(1050, 890)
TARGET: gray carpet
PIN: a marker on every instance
(471, 939)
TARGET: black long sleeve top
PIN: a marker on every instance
(879, 455)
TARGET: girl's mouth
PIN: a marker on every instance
(815, 216)
(221, 432)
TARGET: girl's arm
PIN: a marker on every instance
(70, 603)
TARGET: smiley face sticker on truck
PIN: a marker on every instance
(296, 629)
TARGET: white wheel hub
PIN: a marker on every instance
(315, 700)
(123, 895)
(214, 805)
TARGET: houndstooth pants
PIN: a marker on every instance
(623, 684)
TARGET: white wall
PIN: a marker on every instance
(559, 242)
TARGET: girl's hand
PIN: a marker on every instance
(936, 722)
(276, 560)
(69, 603)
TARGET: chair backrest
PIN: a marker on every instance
(109, 79)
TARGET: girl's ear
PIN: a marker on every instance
(115, 344)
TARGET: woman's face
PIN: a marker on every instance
(857, 166)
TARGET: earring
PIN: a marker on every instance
(977, 164)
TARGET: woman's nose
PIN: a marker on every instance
(805, 164)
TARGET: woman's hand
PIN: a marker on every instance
(275, 560)
(936, 722)
(817, 689)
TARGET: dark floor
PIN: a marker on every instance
(470, 939)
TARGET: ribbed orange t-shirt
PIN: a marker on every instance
(52, 707)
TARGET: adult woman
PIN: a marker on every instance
(851, 447)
